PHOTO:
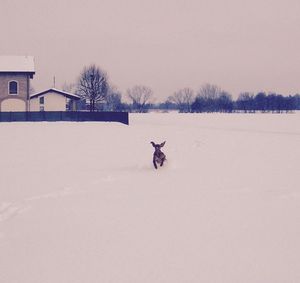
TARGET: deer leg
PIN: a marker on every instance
(162, 162)
(154, 163)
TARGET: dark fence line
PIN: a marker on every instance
(52, 116)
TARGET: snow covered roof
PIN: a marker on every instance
(17, 64)
(58, 91)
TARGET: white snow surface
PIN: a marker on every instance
(16, 64)
(82, 202)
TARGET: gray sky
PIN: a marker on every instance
(166, 45)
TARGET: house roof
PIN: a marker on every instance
(24, 64)
(61, 92)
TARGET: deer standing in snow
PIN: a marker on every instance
(158, 156)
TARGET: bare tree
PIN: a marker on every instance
(140, 96)
(209, 94)
(92, 86)
(209, 91)
(245, 101)
(224, 102)
(183, 99)
(114, 100)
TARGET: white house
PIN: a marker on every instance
(53, 100)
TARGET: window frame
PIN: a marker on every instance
(13, 81)
(42, 100)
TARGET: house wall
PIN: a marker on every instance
(14, 102)
(13, 105)
(52, 102)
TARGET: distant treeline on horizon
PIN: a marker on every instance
(246, 102)
(204, 102)
(97, 95)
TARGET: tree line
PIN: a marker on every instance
(98, 95)
(210, 98)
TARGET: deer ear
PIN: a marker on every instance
(153, 144)
(162, 144)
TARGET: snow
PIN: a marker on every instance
(17, 64)
(81, 202)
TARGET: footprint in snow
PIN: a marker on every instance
(9, 210)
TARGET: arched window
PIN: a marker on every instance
(13, 87)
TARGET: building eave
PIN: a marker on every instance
(30, 73)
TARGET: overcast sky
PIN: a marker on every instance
(164, 44)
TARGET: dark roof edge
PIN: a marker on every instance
(30, 72)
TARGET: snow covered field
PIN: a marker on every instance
(81, 202)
